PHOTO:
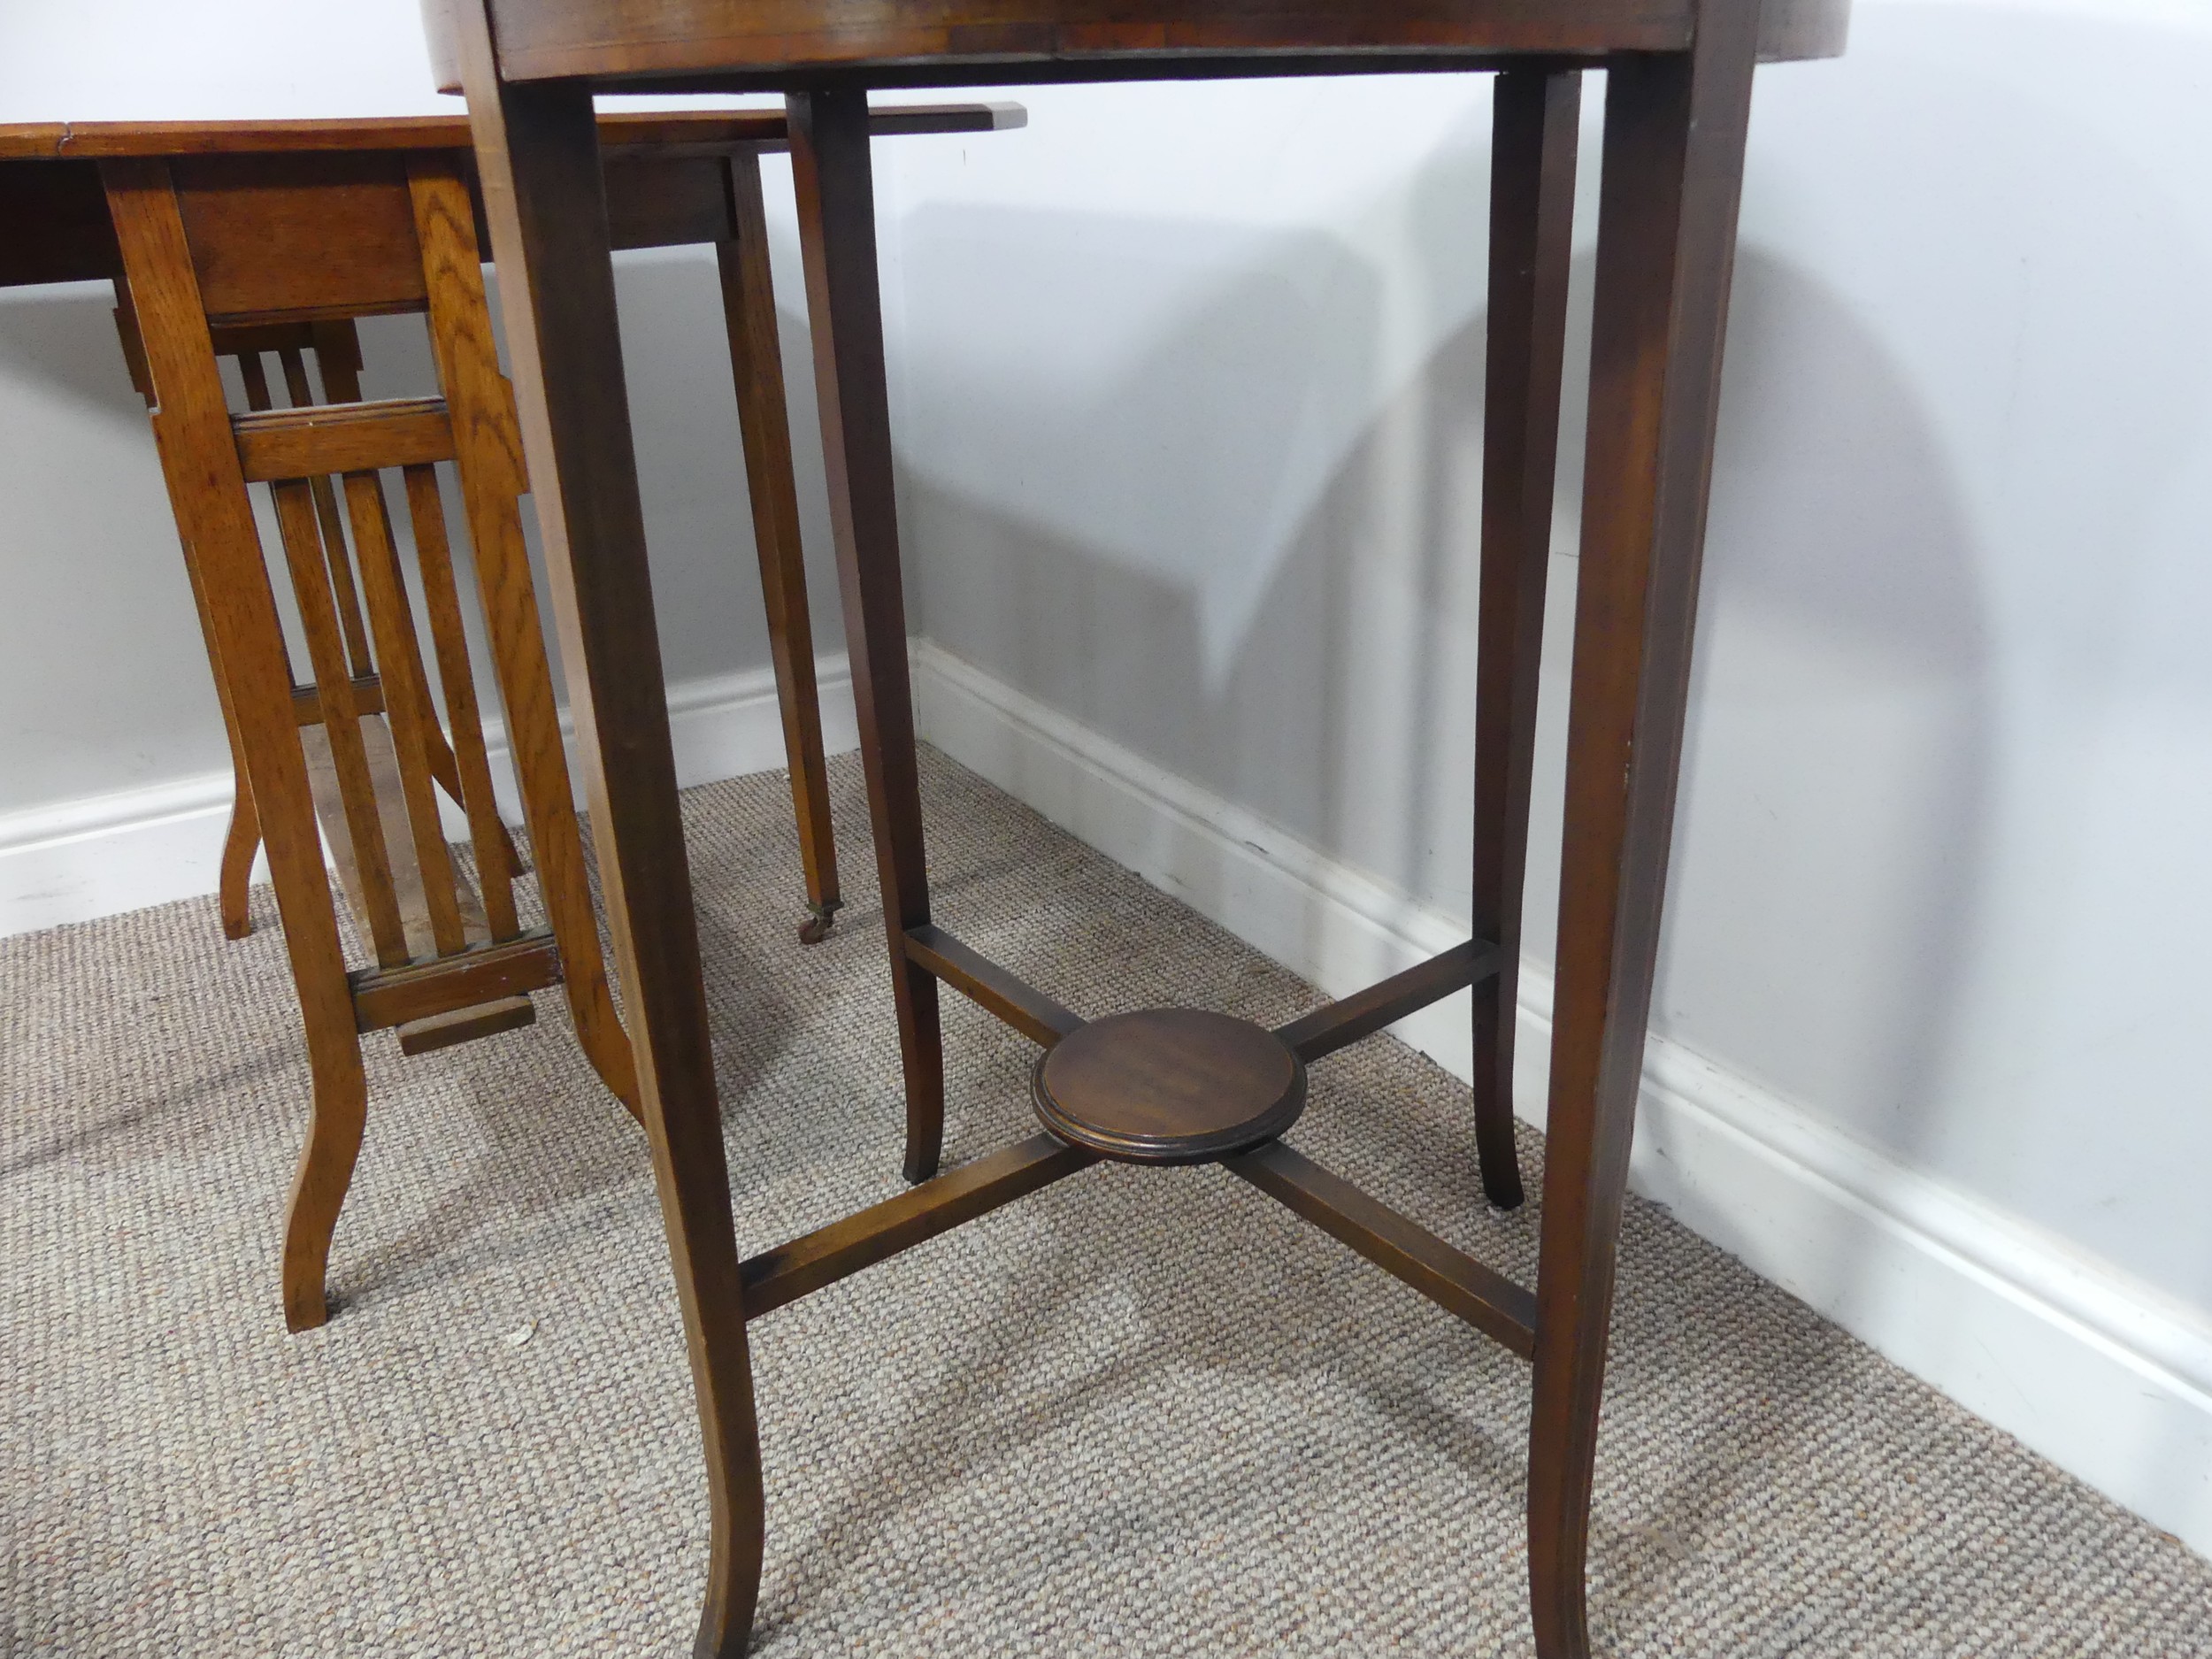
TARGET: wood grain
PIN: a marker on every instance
(192, 432)
(778, 43)
(831, 172)
(487, 445)
(1673, 172)
(538, 159)
(324, 439)
(875, 1234)
(748, 306)
(1448, 1277)
(1536, 113)
(1168, 1085)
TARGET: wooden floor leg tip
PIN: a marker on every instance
(302, 1314)
(819, 919)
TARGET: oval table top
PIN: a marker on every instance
(719, 45)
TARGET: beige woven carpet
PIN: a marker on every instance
(1143, 1412)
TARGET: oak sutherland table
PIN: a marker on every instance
(260, 240)
(1166, 1085)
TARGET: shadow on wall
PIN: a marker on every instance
(92, 555)
(1157, 553)
(103, 684)
(1192, 553)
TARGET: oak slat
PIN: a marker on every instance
(407, 705)
(384, 997)
(324, 439)
(334, 553)
(425, 511)
(346, 796)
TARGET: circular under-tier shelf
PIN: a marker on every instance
(1169, 1086)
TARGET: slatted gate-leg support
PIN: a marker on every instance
(363, 749)
(493, 475)
(208, 491)
(538, 160)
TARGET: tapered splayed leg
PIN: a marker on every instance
(1531, 224)
(336, 1121)
(837, 231)
(538, 159)
(1674, 136)
(748, 305)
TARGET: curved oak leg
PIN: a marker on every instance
(1674, 136)
(241, 841)
(1535, 118)
(537, 154)
(336, 1117)
(208, 492)
(830, 166)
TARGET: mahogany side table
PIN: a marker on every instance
(1166, 1085)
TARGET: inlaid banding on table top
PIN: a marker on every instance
(704, 45)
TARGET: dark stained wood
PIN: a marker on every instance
(882, 1230)
(983, 982)
(1535, 121)
(538, 160)
(1679, 84)
(191, 430)
(1169, 1086)
(655, 200)
(1458, 1283)
(56, 214)
(485, 973)
(1672, 171)
(746, 43)
(749, 300)
(327, 438)
(1340, 1024)
(831, 168)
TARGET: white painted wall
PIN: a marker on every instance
(1188, 387)
(104, 685)
(1191, 382)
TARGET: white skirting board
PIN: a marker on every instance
(106, 854)
(2096, 1372)
(2103, 1375)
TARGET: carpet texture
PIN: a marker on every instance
(1142, 1412)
